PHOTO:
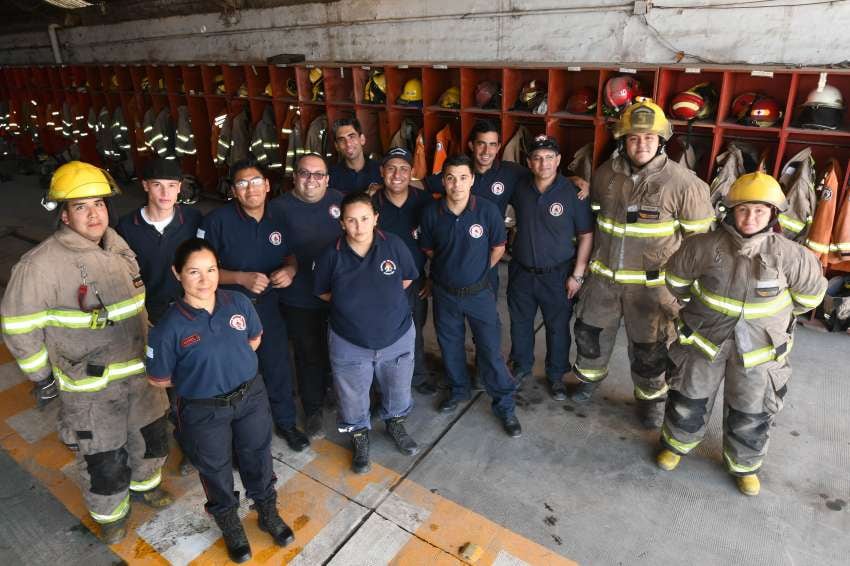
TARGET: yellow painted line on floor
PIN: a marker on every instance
(308, 502)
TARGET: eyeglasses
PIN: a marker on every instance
(303, 174)
(242, 184)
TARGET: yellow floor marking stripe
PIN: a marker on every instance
(417, 551)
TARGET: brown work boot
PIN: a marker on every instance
(112, 533)
(157, 497)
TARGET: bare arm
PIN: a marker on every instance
(251, 280)
(283, 277)
(585, 244)
(496, 254)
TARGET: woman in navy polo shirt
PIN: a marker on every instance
(364, 276)
(204, 346)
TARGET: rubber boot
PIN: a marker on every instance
(157, 498)
(270, 522)
(360, 442)
(406, 445)
(667, 460)
(749, 485)
(651, 413)
(234, 535)
(112, 533)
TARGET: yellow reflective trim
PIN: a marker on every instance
(766, 354)
(626, 275)
(841, 246)
(32, 364)
(676, 281)
(810, 301)
(113, 372)
(734, 308)
(119, 513)
(590, 374)
(734, 467)
(148, 484)
(681, 447)
(67, 318)
(650, 395)
(637, 229)
(700, 225)
(791, 224)
(701, 342)
(818, 247)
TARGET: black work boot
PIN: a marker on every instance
(651, 413)
(234, 535)
(405, 444)
(583, 391)
(157, 498)
(360, 442)
(112, 533)
(271, 522)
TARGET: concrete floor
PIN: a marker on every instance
(580, 485)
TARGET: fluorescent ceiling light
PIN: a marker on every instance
(69, 4)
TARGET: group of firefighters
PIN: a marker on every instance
(342, 267)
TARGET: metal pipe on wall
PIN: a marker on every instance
(54, 43)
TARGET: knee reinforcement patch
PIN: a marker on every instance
(650, 358)
(587, 339)
(156, 438)
(685, 413)
(750, 429)
(109, 471)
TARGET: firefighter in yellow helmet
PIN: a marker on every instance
(73, 316)
(645, 204)
(745, 283)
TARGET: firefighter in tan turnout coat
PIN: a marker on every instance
(73, 316)
(744, 283)
(645, 205)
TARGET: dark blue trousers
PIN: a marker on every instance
(273, 356)
(450, 314)
(210, 435)
(419, 309)
(528, 292)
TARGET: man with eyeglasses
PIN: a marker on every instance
(356, 172)
(256, 254)
(547, 268)
(310, 213)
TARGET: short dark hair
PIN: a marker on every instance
(484, 127)
(340, 122)
(355, 198)
(457, 161)
(187, 248)
(310, 154)
(249, 162)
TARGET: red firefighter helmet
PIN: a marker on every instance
(620, 91)
(488, 94)
(582, 101)
(696, 103)
(754, 109)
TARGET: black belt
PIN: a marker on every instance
(226, 399)
(466, 291)
(544, 270)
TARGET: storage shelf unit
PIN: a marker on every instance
(209, 89)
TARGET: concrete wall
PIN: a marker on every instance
(801, 32)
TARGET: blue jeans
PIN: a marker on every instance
(353, 368)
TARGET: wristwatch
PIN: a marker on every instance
(579, 278)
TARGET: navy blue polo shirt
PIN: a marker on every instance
(347, 180)
(461, 244)
(243, 244)
(311, 228)
(547, 222)
(497, 184)
(369, 306)
(205, 354)
(155, 253)
(404, 221)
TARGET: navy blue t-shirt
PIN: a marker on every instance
(461, 244)
(205, 354)
(155, 253)
(369, 306)
(404, 221)
(243, 244)
(547, 222)
(497, 184)
(311, 227)
(347, 180)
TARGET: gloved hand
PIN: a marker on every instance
(45, 391)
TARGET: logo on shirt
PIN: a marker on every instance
(556, 209)
(189, 340)
(476, 231)
(497, 188)
(275, 238)
(237, 322)
(333, 210)
(200, 233)
(149, 352)
(416, 232)
(388, 267)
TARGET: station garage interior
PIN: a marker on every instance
(745, 89)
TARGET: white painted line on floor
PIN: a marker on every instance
(377, 542)
(406, 515)
(33, 424)
(504, 558)
(331, 536)
(11, 375)
(297, 460)
(371, 495)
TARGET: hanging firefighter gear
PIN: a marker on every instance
(420, 162)
(316, 140)
(619, 92)
(411, 95)
(823, 109)
(295, 140)
(450, 98)
(443, 148)
(406, 135)
(798, 182)
(264, 144)
(533, 97)
(488, 95)
(739, 158)
(375, 89)
(120, 135)
(184, 143)
(516, 149)
(582, 101)
(819, 239)
(754, 109)
(697, 103)
(317, 85)
(582, 163)
(840, 245)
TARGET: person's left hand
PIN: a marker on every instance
(573, 287)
